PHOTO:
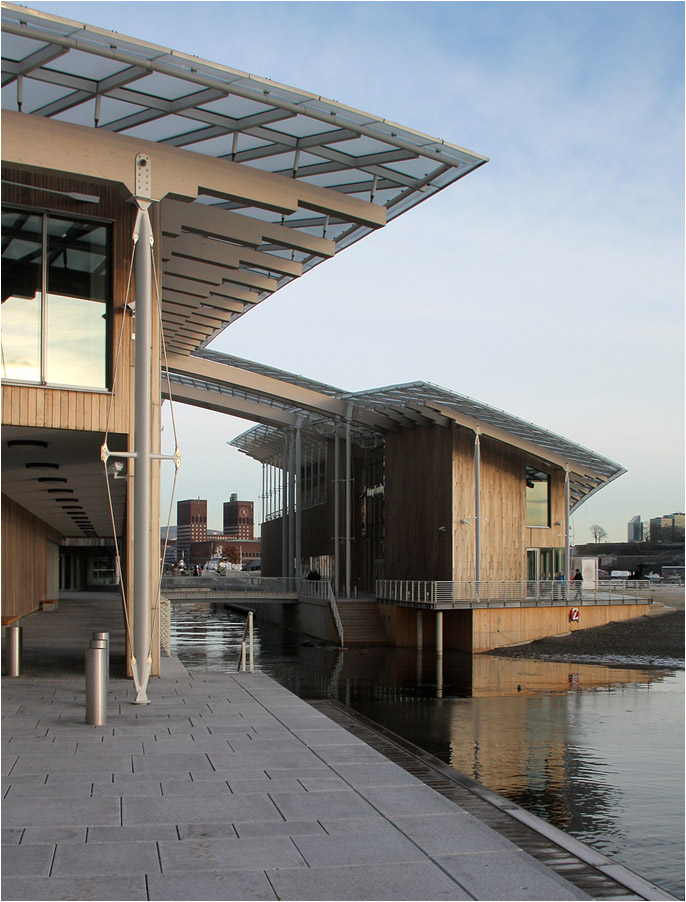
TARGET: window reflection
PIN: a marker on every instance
(537, 498)
(72, 318)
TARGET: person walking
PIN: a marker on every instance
(578, 580)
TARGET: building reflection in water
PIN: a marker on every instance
(594, 750)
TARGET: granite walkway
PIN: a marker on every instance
(227, 786)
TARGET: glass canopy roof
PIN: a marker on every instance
(87, 76)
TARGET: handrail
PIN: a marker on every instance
(322, 589)
(502, 593)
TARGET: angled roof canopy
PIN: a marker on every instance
(279, 400)
(224, 249)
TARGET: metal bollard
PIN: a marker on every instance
(13, 650)
(96, 683)
(104, 637)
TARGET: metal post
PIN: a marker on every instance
(250, 640)
(291, 506)
(13, 650)
(348, 512)
(477, 510)
(104, 637)
(336, 515)
(439, 633)
(567, 550)
(96, 683)
(284, 507)
(298, 499)
(141, 484)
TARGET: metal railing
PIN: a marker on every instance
(322, 589)
(515, 593)
(190, 586)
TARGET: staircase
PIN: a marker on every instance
(362, 624)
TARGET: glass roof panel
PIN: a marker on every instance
(235, 107)
(300, 127)
(86, 65)
(83, 114)
(17, 48)
(418, 168)
(339, 177)
(164, 127)
(164, 86)
(113, 110)
(359, 147)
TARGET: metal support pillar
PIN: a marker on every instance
(420, 633)
(336, 516)
(477, 511)
(568, 569)
(298, 499)
(284, 507)
(348, 508)
(142, 478)
(439, 633)
(291, 506)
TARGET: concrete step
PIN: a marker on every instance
(362, 624)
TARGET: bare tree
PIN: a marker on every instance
(598, 533)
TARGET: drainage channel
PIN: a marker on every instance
(590, 871)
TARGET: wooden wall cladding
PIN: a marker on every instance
(418, 503)
(65, 409)
(25, 539)
(504, 534)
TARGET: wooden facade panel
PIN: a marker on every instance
(418, 504)
(25, 541)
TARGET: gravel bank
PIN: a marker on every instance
(653, 641)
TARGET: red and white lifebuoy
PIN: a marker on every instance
(574, 615)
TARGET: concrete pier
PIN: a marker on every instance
(227, 786)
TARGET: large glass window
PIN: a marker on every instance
(56, 290)
(537, 498)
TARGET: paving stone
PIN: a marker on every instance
(237, 885)
(54, 835)
(106, 859)
(83, 888)
(223, 854)
(447, 834)
(316, 805)
(375, 774)
(217, 787)
(61, 812)
(347, 825)
(398, 801)
(508, 875)
(11, 835)
(27, 860)
(188, 810)
(172, 763)
(135, 785)
(144, 833)
(223, 829)
(277, 828)
(360, 848)
(418, 880)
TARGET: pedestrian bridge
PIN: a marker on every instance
(255, 589)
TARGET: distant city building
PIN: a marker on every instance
(191, 525)
(239, 518)
(635, 529)
(668, 528)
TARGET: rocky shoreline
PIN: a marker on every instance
(656, 640)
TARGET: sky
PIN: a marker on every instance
(549, 283)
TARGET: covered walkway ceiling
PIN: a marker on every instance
(315, 175)
(279, 401)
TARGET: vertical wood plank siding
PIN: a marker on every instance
(25, 566)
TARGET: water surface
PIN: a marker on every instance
(598, 751)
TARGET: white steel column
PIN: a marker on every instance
(439, 633)
(284, 507)
(298, 498)
(291, 505)
(142, 444)
(336, 515)
(348, 511)
(477, 510)
(567, 567)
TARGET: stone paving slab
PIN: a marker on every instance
(228, 787)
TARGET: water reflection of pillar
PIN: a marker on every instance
(420, 637)
(439, 676)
